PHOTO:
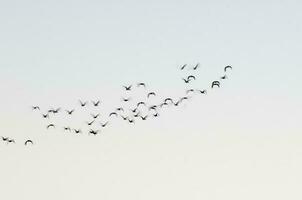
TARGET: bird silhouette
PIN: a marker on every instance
(83, 104)
(202, 91)
(4, 138)
(215, 83)
(67, 129)
(120, 109)
(136, 115)
(144, 118)
(124, 118)
(113, 113)
(90, 123)
(151, 94)
(191, 77)
(189, 90)
(11, 141)
(196, 66)
(93, 132)
(183, 67)
(156, 115)
(227, 67)
(140, 103)
(141, 84)
(104, 124)
(95, 116)
(28, 142)
(35, 108)
(50, 126)
(224, 77)
(186, 80)
(131, 121)
(128, 88)
(77, 130)
(96, 103)
(45, 116)
(69, 112)
(126, 99)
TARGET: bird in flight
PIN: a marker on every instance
(126, 99)
(77, 130)
(224, 77)
(93, 132)
(28, 142)
(35, 108)
(5, 139)
(113, 113)
(83, 103)
(183, 67)
(120, 109)
(128, 88)
(141, 84)
(104, 125)
(67, 129)
(95, 116)
(45, 116)
(69, 112)
(144, 118)
(11, 141)
(196, 66)
(90, 123)
(202, 91)
(50, 126)
(124, 118)
(190, 90)
(227, 67)
(168, 99)
(140, 103)
(191, 77)
(151, 94)
(215, 83)
(96, 103)
(131, 121)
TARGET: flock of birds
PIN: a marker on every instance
(143, 110)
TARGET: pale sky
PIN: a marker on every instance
(242, 141)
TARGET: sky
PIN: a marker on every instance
(241, 141)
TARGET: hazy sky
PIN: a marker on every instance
(242, 141)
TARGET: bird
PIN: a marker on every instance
(131, 121)
(134, 110)
(5, 138)
(151, 94)
(104, 125)
(183, 98)
(196, 66)
(140, 103)
(67, 129)
(153, 107)
(77, 130)
(177, 103)
(186, 80)
(93, 132)
(83, 103)
(215, 83)
(35, 108)
(96, 103)
(28, 141)
(128, 88)
(126, 99)
(224, 77)
(50, 125)
(124, 118)
(202, 91)
(90, 123)
(163, 104)
(113, 113)
(136, 115)
(189, 90)
(141, 84)
(144, 118)
(227, 67)
(45, 116)
(11, 141)
(120, 109)
(191, 77)
(156, 115)
(69, 112)
(168, 99)
(183, 67)
(95, 116)
(55, 111)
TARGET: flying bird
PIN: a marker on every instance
(105, 124)
(77, 130)
(90, 123)
(183, 67)
(113, 113)
(144, 118)
(120, 109)
(69, 112)
(67, 129)
(5, 138)
(35, 108)
(126, 99)
(140, 103)
(141, 84)
(83, 103)
(128, 88)
(50, 125)
(196, 66)
(224, 77)
(227, 67)
(151, 94)
(95, 116)
(215, 83)
(96, 103)
(28, 142)
(45, 116)
(191, 77)
(202, 91)
(93, 132)
(190, 90)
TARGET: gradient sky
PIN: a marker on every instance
(242, 141)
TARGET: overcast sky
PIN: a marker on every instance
(242, 141)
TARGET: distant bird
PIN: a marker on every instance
(124, 118)
(186, 80)
(155, 115)
(5, 138)
(90, 123)
(134, 110)
(190, 90)
(144, 118)
(45, 116)
(120, 109)
(131, 121)
(153, 107)
(96, 103)
(227, 67)
(54, 111)
(128, 88)
(191, 77)
(93, 132)
(77, 130)
(183, 98)
(151, 94)
(126, 99)
(83, 104)
(215, 83)
(35, 108)
(168, 99)
(140, 103)
(105, 124)
(50, 125)
(11, 141)
(163, 104)
(224, 77)
(67, 129)
(141, 84)
(177, 103)
(183, 67)
(95, 116)
(202, 91)
(69, 112)
(113, 113)
(136, 115)
(28, 142)
(196, 66)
